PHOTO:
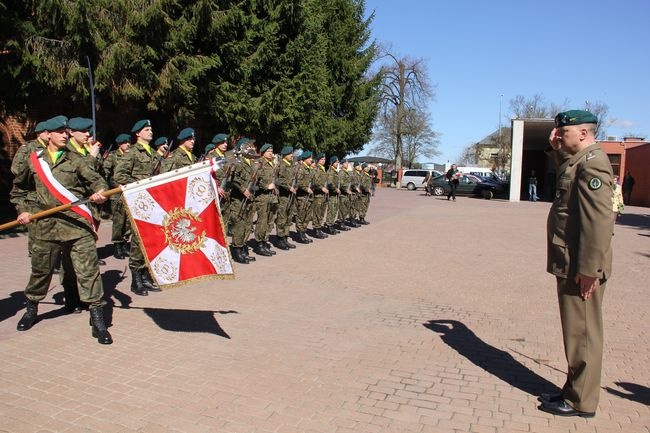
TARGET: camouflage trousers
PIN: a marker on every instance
(332, 209)
(319, 206)
(241, 220)
(121, 225)
(136, 256)
(305, 213)
(364, 203)
(286, 212)
(354, 205)
(266, 206)
(344, 206)
(224, 206)
(80, 254)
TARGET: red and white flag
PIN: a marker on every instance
(176, 217)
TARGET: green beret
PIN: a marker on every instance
(266, 147)
(305, 155)
(80, 124)
(40, 127)
(334, 159)
(320, 156)
(219, 138)
(286, 150)
(364, 165)
(574, 117)
(209, 147)
(122, 138)
(241, 142)
(139, 125)
(185, 134)
(160, 141)
(57, 122)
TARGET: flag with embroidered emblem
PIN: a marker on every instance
(176, 218)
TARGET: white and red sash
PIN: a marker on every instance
(59, 192)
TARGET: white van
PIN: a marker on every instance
(413, 178)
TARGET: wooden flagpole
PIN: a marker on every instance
(61, 208)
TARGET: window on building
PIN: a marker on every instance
(615, 160)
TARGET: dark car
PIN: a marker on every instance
(468, 185)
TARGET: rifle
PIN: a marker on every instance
(160, 160)
(251, 186)
(294, 184)
(226, 181)
(108, 151)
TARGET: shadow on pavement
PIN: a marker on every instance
(634, 220)
(11, 305)
(635, 392)
(187, 320)
(495, 361)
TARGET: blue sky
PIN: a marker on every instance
(476, 51)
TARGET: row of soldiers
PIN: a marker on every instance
(64, 164)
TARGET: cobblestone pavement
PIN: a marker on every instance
(437, 317)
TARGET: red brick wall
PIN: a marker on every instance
(638, 162)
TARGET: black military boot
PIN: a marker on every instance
(30, 316)
(363, 221)
(99, 330)
(126, 249)
(238, 255)
(244, 251)
(353, 223)
(147, 281)
(260, 249)
(302, 238)
(282, 244)
(267, 245)
(136, 284)
(318, 234)
(287, 243)
(342, 226)
(118, 252)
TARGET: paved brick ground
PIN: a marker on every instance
(437, 317)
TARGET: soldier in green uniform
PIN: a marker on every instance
(139, 163)
(121, 229)
(227, 159)
(21, 158)
(333, 207)
(579, 233)
(321, 196)
(51, 173)
(266, 201)
(242, 197)
(182, 156)
(346, 197)
(286, 184)
(304, 196)
(365, 186)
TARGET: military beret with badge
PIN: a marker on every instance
(139, 125)
(574, 117)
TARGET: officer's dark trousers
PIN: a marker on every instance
(452, 191)
(582, 331)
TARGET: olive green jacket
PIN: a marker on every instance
(137, 164)
(580, 222)
(29, 194)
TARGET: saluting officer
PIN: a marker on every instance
(139, 163)
(50, 173)
(579, 236)
(121, 229)
(182, 156)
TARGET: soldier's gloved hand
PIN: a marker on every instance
(23, 218)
